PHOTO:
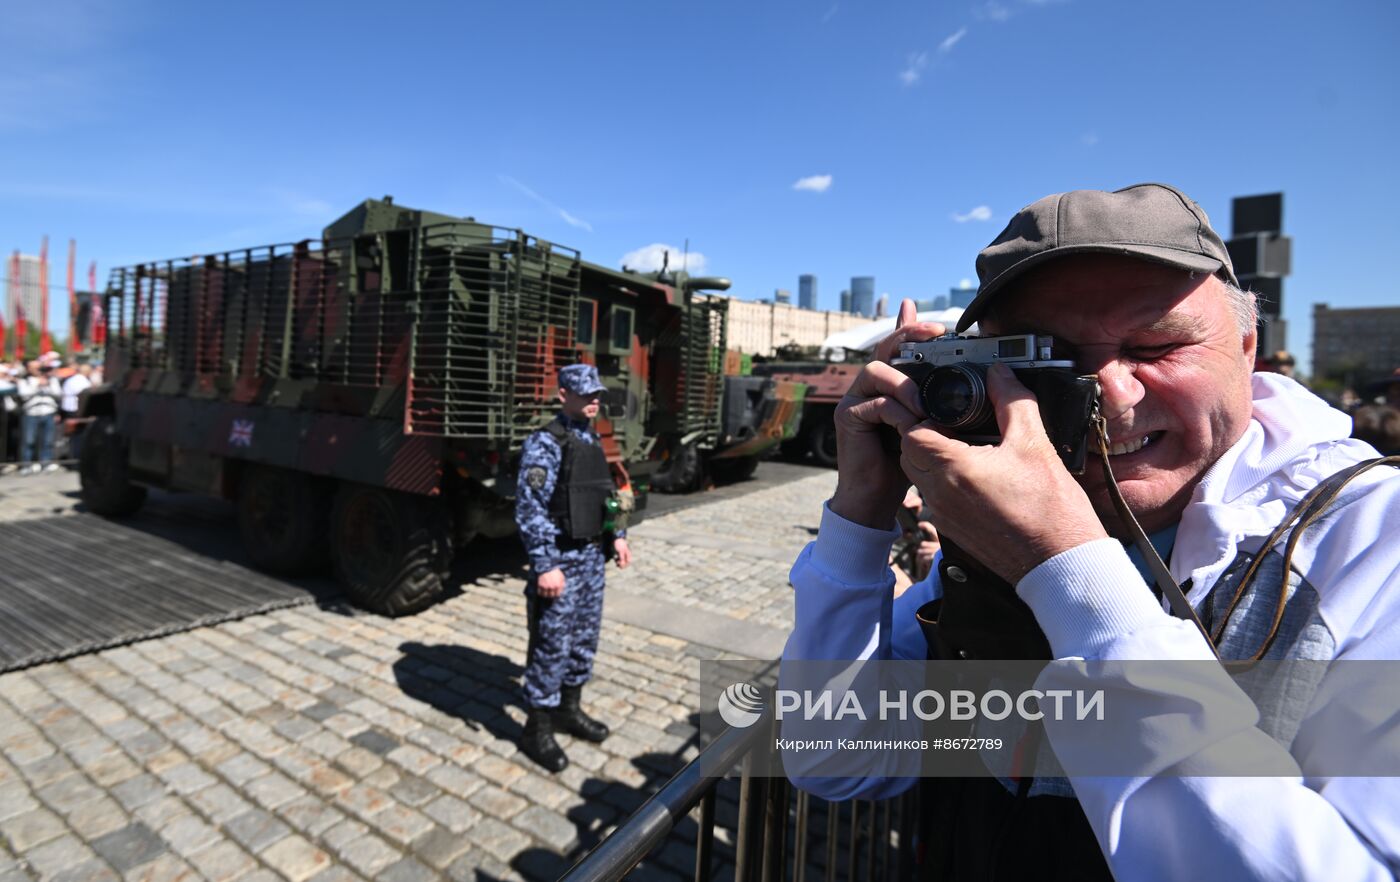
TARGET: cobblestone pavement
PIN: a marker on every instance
(315, 743)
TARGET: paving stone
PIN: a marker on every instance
(129, 847)
(336, 873)
(439, 847)
(407, 870)
(456, 781)
(547, 826)
(542, 791)
(497, 803)
(375, 741)
(58, 856)
(223, 862)
(190, 834)
(139, 791)
(502, 771)
(414, 791)
(401, 824)
(31, 829)
(166, 868)
(91, 870)
(241, 769)
(273, 790)
(188, 777)
(363, 800)
(453, 813)
(161, 812)
(220, 803)
(98, 817)
(500, 840)
(310, 816)
(68, 793)
(256, 829)
(296, 859)
(368, 855)
(359, 762)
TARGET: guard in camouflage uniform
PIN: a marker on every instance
(561, 493)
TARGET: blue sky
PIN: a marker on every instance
(150, 130)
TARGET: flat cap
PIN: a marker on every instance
(1155, 222)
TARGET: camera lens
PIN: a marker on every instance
(955, 396)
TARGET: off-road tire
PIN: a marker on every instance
(391, 550)
(103, 474)
(681, 473)
(283, 519)
(733, 469)
(821, 441)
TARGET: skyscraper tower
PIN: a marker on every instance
(882, 308)
(845, 300)
(807, 291)
(863, 295)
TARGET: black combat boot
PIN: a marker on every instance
(571, 718)
(538, 741)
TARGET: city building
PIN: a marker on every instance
(845, 300)
(961, 296)
(759, 328)
(882, 308)
(1356, 346)
(782, 295)
(807, 291)
(863, 295)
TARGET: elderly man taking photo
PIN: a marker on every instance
(1215, 464)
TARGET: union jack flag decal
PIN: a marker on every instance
(241, 435)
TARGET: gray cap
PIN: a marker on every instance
(1155, 222)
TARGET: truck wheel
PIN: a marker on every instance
(681, 472)
(102, 471)
(821, 440)
(733, 469)
(391, 549)
(283, 520)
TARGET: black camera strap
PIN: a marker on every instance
(1176, 598)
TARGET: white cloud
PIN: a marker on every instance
(1089, 139)
(965, 284)
(651, 258)
(563, 215)
(992, 10)
(952, 40)
(980, 213)
(814, 183)
(914, 69)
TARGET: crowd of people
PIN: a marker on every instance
(39, 401)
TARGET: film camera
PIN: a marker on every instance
(951, 373)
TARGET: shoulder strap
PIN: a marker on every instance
(1308, 510)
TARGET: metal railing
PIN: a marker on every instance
(777, 833)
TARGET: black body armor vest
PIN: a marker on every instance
(585, 482)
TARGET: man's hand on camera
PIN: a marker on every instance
(881, 405)
(551, 584)
(1011, 506)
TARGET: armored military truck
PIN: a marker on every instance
(363, 397)
(826, 383)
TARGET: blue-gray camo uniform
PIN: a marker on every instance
(563, 630)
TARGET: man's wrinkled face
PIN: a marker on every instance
(579, 407)
(1172, 363)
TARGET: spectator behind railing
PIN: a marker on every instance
(1379, 426)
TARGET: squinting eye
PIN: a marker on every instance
(1149, 353)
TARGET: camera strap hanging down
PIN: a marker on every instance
(1166, 585)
